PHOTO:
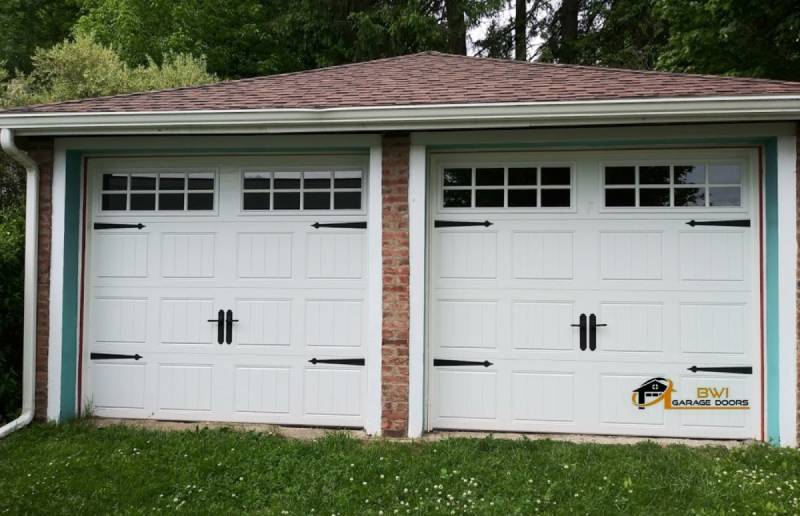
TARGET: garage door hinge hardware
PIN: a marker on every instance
(459, 223)
(107, 225)
(348, 225)
(113, 356)
(440, 362)
(341, 361)
(744, 223)
(734, 370)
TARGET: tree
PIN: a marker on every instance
(521, 30)
(732, 37)
(31, 24)
(456, 26)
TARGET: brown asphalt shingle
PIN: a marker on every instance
(425, 79)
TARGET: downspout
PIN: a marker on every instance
(31, 271)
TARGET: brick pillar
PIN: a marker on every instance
(41, 150)
(394, 397)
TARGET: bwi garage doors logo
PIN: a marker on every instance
(710, 397)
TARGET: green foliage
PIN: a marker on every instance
(12, 245)
(31, 24)
(79, 469)
(754, 38)
(83, 68)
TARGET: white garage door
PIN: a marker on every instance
(562, 285)
(240, 298)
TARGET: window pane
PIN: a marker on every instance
(143, 182)
(316, 180)
(725, 196)
(115, 182)
(347, 200)
(522, 176)
(488, 198)
(201, 201)
(347, 179)
(556, 198)
(489, 176)
(202, 181)
(521, 198)
(654, 175)
(457, 198)
(316, 201)
(620, 175)
(654, 197)
(555, 176)
(286, 200)
(171, 182)
(620, 197)
(690, 174)
(143, 202)
(256, 201)
(114, 201)
(457, 177)
(256, 180)
(724, 174)
(287, 180)
(170, 201)
(690, 197)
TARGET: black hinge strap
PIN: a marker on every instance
(113, 356)
(107, 225)
(348, 225)
(459, 223)
(743, 223)
(441, 362)
(341, 361)
(733, 370)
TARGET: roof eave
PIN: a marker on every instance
(415, 117)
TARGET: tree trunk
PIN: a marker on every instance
(456, 27)
(521, 31)
(568, 18)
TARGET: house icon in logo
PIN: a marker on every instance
(651, 392)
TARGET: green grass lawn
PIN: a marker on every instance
(79, 469)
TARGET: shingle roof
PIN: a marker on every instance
(425, 79)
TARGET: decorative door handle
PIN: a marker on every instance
(582, 325)
(220, 320)
(229, 320)
(593, 324)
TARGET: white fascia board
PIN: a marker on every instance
(417, 117)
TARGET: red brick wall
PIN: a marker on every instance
(395, 286)
(41, 150)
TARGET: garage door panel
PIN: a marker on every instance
(714, 328)
(121, 255)
(118, 386)
(120, 320)
(185, 386)
(469, 324)
(333, 391)
(264, 255)
(188, 255)
(631, 255)
(542, 255)
(264, 322)
(334, 323)
(543, 325)
(637, 327)
(615, 400)
(335, 255)
(712, 386)
(262, 389)
(468, 254)
(712, 256)
(543, 397)
(185, 321)
(467, 395)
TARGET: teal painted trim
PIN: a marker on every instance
(247, 151)
(69, 307)
(772, 291)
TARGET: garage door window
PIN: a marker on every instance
(507, 187)
(307, 190)
(664, 186)
(167, 191)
